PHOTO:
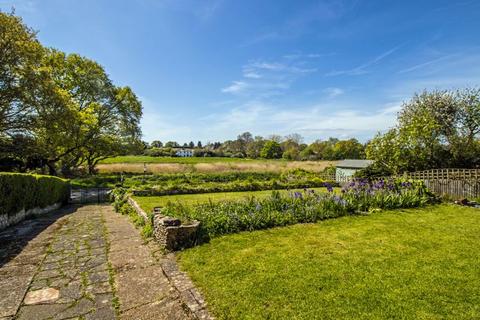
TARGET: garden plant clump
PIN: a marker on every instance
(359, 197)
(122, 206)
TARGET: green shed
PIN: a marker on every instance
(347, 168)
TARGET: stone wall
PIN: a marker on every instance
(172, 235)
(8, 220)
(169, 232)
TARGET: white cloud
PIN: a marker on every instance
(252, 75)
(236, 87)
(333, 92)
(313, 122)
(425, 64)
(362, 69)
(267, 78)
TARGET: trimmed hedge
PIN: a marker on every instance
(26, 191)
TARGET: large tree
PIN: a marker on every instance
(83, 116)
(435, 129)
(20, 62)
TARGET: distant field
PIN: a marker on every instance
(135, 164)
(148, 203)
(186, 160)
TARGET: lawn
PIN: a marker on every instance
(148, 203)
(403, 264)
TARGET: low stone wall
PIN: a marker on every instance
(8, 220)
(172, 235)
(169, 232)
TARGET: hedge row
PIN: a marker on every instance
(25, 191)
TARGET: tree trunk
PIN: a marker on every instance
(52, 170)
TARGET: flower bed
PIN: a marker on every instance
(190, 183)
(301, 207)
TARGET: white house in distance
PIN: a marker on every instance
(347, 168)
(184, 153)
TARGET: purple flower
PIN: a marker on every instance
(329, 187)
(297, 195)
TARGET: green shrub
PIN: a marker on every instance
(25, 191)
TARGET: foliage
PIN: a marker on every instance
(62, 107)
(271, 150)
(222, 182)
(334, 149)
(20, 63)
(121, 205)
(301, 207)
(414, 263)
(25, 191)
(435, 129)
(148, 203)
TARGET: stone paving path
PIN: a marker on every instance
(83, 263)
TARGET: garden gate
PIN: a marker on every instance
(89, 195)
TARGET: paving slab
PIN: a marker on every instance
(85, 262)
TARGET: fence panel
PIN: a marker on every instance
(451, 182)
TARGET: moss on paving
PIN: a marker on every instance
(406, 264)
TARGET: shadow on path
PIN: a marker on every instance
(15, 238)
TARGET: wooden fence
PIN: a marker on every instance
(452, 183)
(445, 174)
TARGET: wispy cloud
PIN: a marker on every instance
(318, 121)
(363, 68)
(294, 56)
(263, 78)
(236, 87)
(251, 75)
(208, 9)
(333, 92)
(303, 21)
(426, 64)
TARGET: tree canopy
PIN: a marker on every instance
(64, 106)
(437, 129)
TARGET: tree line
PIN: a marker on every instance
(290, 147)
(57, 110)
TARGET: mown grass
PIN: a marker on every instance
(148, 203)
(402, 264)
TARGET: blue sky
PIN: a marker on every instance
(211, 69)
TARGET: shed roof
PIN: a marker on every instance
(355, 164)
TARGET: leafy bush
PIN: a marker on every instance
(301, 207)
(26, 191)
